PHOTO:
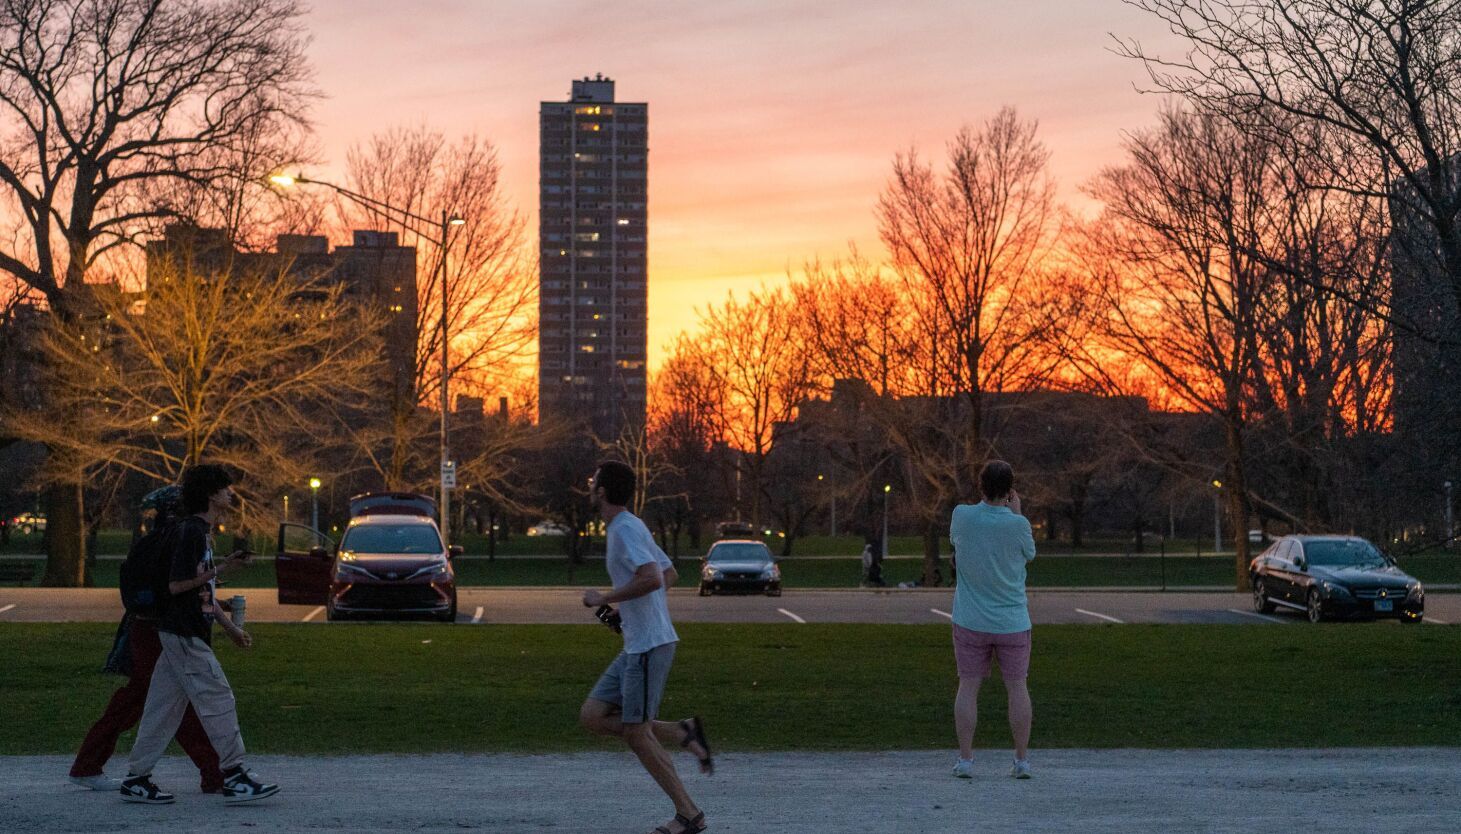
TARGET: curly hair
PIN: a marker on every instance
(199, 484)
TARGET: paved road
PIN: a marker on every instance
(1171, 791)
(562, 605)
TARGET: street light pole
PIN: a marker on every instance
(1450, 518)
(1217, 517)
(314, 494)
(887, 488)
(443, 241)
(445, 455)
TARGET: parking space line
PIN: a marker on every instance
(1099, 616)
(794, 617)
(1431, 620)
(12, 605)
(315, 613)
(477, 617)
(942, 613)
(1255, 614)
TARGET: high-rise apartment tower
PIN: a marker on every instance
(592, 179)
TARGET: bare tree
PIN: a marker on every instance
(1383, 77)
(759, 373)
(491, 281)
(256, 370)
(683, 430)
(1170, 258)
(103, 105)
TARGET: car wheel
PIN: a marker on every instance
(1261, 603)
(773, 592)
(330, 615)
(1316, 606)
(451, 615)
(704, 590)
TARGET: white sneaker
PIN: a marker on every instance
(964, 768)
(99, 782)
(1020, 769)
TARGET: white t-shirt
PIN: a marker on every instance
(646, 619)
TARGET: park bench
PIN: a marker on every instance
(18, 572)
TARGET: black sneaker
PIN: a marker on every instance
(141, 789)
(240, 786)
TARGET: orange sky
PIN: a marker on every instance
(772, 122)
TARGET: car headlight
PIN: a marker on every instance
(1332, 589)
(436, 570)
(345, 570)
(1414, 591)
(769, 572)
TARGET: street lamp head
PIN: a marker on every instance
(314, 483)
(456, 220)
(283, 180)
(887, 488)
(1217, 484)
(819, 477)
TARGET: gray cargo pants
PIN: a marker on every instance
(186, 672)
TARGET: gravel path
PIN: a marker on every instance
(1414, 791)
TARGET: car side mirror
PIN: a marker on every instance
(454, 551)
(1302, 563)
(319, 552)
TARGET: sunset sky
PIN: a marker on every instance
(772, 122)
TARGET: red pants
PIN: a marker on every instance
(124, 710)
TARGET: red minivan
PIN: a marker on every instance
(390, 561)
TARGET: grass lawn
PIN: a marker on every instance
(363, 688)
(1048, 572)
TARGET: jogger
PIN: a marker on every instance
(625, 701)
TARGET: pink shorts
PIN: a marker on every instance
(973, 651)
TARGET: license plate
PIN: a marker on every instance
(1384, 605)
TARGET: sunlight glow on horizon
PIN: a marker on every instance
(772, 125)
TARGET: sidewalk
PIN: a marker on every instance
(810, 793)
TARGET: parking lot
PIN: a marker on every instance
(562, 605)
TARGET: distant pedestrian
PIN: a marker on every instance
(138, 646)
(993, 543)
(187, 673)
(872, 568)
(625, 701)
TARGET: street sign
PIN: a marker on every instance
(449, 474)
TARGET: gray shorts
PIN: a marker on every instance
(635, 683)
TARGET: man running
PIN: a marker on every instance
(625, 702)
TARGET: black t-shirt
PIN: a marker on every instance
(191, 546)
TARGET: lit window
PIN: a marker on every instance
(623, 221)
(586, 348)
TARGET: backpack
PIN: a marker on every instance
(144, 574)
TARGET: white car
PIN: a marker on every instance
(548, 528)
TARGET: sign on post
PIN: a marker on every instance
(449, 474)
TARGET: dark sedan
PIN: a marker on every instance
(1334, 576)
(740, 566)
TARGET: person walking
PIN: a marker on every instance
(138, 643)
(993, 543)
(625, 701)
(187, 673)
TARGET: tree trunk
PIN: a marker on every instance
(1237, 505)
(932, 576)
(65, 537)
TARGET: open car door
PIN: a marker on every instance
(303, 565)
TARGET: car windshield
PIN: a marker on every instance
(749, 552)
(392, 538)
(1342, 552)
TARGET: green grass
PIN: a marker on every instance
(1047, 572)
(422, 688)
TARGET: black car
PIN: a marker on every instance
(1334, 576)
(740, 566)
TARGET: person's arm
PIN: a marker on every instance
(671, 576)
(240, 638)
(646, 580)
(1027, 547)
(182, 586)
